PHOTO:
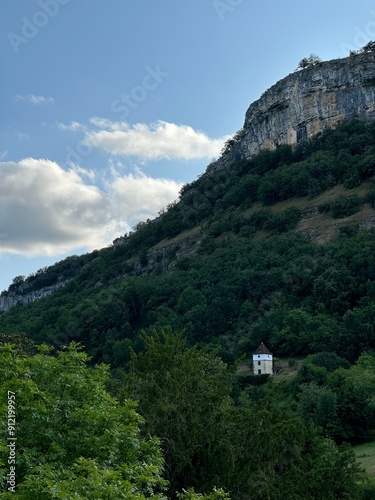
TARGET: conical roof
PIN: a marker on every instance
(262, 349)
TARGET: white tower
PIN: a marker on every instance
(262, 361)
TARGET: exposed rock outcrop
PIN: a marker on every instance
(167, 255)
(305, 103)
(11, 299)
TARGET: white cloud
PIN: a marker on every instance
(35, 99)
(3, 155)
(46, 210)
(153, 141)
(139, 197)
(104, 123)
(83, 172)
(73, 126)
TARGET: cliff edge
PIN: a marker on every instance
(303, 104)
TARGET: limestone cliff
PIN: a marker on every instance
(10, 299)
(304, 103)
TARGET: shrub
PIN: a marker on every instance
(343, 206)
(285, 221)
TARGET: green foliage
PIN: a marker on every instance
(284, 221)
(48, 276)
(259, 218)
(182, 393)
(369, 82)
(217, 494)
(284, 458)
(309, 62)
(277, 223)
(343, 206)
(73, 439)
(369, 47)
(233, 294)
(228, 146)
(370, 197)
(19, 341)
(338, 399)
(302, 333)
(329, 360)
(18, 280)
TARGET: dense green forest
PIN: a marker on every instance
(79, 434)
(175, 310)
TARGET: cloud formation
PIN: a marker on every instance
(35, 99)
(72, 127)
(46, 210)
(153, 141)
(139, 197)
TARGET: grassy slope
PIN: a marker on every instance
(322, 226)
(366, 456)
(289, 370)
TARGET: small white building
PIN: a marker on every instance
(262, 361)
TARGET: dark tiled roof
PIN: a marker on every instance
(262, 349)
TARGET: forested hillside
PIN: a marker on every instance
(248, 273)
(276, 249)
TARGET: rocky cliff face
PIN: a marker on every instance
(304, 103)
(12, 299)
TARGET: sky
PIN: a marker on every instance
(108, 107)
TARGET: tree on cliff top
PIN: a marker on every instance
(309, 62)
(369, 47)
(230, 143)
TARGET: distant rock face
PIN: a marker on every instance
(305, 103)
(10, 300)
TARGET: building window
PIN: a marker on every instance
(259, 372)
(259, 363)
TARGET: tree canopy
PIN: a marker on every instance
(74, 440)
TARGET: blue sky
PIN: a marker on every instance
(107, 108)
